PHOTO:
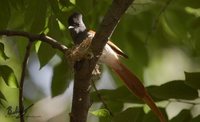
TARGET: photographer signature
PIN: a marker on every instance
(14, 111)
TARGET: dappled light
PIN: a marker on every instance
(167, 65)
(39, 60)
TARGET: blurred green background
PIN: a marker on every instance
(161, 38)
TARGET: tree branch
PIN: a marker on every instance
(41, 37)
(21, 100)
(84, 68)
(32, 38)
(108, 24)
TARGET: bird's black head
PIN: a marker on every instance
(75, 20)
(76, 27)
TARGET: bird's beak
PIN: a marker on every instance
(70, 27)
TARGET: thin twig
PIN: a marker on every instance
(32, 38)
(21, 99)
(156, 21)
(41, 37)
(101, 99)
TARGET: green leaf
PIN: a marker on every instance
(139, 6)
(193, 11)
(35, 15)
(87, 7)
(2, 96)
(8, 76)
(175, 17)
(100, 113)
(57, 30)
(1, 104)
(115, 107)
(60, 15)
(65, 3)
(195, 30)
(174, 89)
(54, 6)
(21, 46)
(4, 14)
(54, 30)
(37, 46)
(17, 4)
(61, 77)
(121, 94)
(150, 117)
(73, 1)
(196, 119)
(2, 53)
(183, 116)
(130, 115)
(193, 79)
(45, 54)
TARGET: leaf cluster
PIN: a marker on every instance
(144, 30)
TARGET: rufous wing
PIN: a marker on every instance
(112, 45)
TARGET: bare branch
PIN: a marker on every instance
(41, 37)
(21, 100)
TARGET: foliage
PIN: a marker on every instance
(143, 33)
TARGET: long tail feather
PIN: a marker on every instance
(136, 87)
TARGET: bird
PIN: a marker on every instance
(111, 56)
